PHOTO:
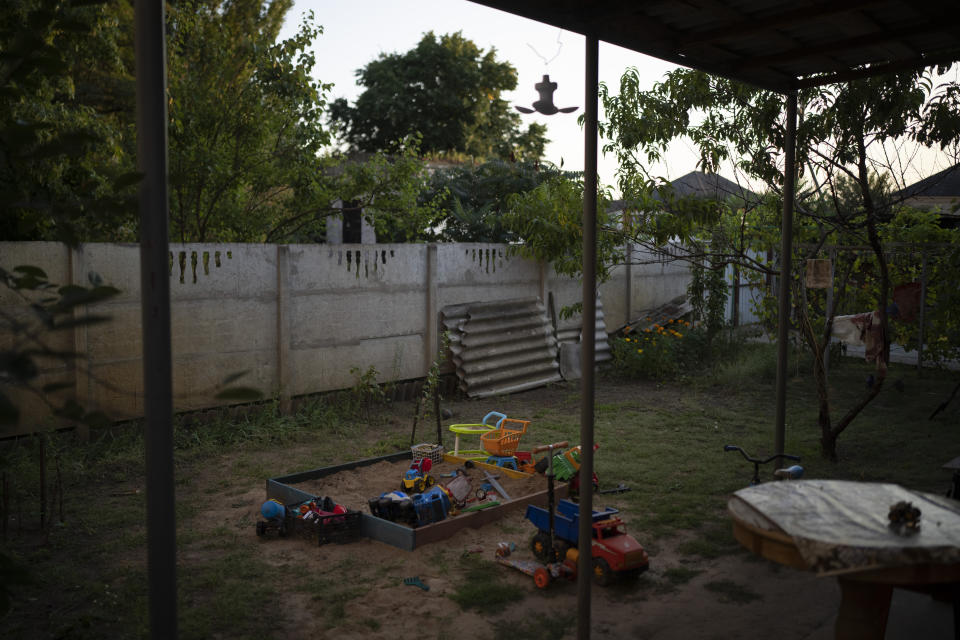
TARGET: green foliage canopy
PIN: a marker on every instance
(448, 90)
(66, 138)
(245, 118)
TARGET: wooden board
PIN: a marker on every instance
(399, 535)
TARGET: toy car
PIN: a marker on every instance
(416, 479)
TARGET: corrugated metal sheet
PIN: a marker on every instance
(677, 308)
(501, 347)
(569, 331)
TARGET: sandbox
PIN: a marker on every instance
(352, 484)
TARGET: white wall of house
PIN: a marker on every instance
(296, 317)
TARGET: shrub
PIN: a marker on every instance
(656, 352)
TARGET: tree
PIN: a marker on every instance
(66, 133)
(446, 89)
(245, 116)
(839, 128)
(474, 198)
(549, 222)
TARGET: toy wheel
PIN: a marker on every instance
(541, 578)
(481, 494)
(539, 547)
(601, 572)
(261, 528)
(418, 485)
(561, 548)
(431, 481)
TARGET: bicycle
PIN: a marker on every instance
(787, 473)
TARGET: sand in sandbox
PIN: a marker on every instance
(355, 487)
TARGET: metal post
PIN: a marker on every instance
(826, 352)
(922, 318)
(786, 245)
(588, 335)
(150, 45)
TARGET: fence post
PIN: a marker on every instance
(923, 306)
(283, 329)
(431, 342)
(735, 312)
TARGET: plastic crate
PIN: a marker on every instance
(425, 450)
(339, 528)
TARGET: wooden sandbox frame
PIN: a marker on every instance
(398, 535)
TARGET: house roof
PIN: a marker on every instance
(712, 186)
(708, 186)
(945, 184)
(779, 45)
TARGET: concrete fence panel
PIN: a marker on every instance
(296, 318)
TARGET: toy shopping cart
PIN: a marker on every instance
(504, 440)
(485, 426)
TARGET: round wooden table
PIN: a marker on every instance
(865, 592)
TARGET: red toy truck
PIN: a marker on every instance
(614, 551)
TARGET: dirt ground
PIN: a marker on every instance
(786, 603)
(732, 596)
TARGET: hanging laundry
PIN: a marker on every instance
(906, 299)
(862, 329)
(849, 329)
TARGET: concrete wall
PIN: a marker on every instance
(297, 318)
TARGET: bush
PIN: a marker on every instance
(673, 350)
(657, 352)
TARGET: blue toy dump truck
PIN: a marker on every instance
(613, 550)
(432, 505)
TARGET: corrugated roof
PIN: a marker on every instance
(501, 347)
(775, 44)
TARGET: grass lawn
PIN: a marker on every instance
(87, 575)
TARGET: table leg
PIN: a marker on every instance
(864, 608)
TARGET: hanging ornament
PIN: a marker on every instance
(545, 104)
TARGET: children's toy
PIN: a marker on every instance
(275, 518)
(319, 518)
(496, 485)
(395, 506)
(427, 450)
(475, 429)
(432, 505)
(613, 550)
(416, 479)
(525, 462)
(551, 565)
(505, 439)
(459, 489)
(542, 573)
(508, 462)
(567, 466)
(415, 581)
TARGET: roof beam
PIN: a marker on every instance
(773, 21)
(880, 38)
(878, 69)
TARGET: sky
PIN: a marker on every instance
(356, 32)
